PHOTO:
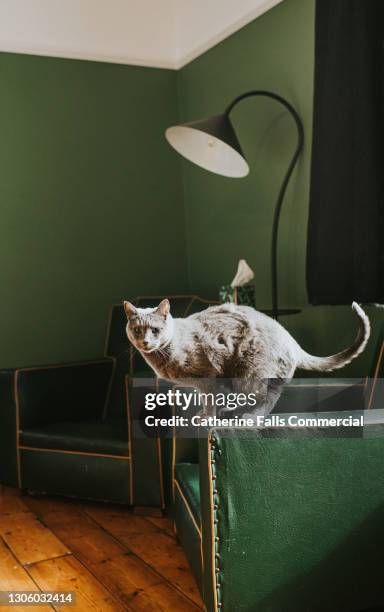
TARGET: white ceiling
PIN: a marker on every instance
(159, 33)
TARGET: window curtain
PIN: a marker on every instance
(345, 254)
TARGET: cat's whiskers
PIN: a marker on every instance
(164, 354)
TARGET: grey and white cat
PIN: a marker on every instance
(229, 342)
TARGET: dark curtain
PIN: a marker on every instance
(345, 254)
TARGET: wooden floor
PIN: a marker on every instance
(111, 558)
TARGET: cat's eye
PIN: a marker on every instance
(155, 330)
(136, 331)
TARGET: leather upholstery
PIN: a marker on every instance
(76, 475)
(60, 411)
(91, 436)
(322, 395)
(289, 523)
(148, 489)
(188, 531)
(65, 429)
(302, 528)
(187, 479)
(71, 392)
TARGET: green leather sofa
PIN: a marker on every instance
(288, 520)
(66, 429)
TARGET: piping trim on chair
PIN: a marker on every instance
(129, 425)
(376, 375)
(173, 456)
(110, 314)
(17, 417)
(109, 388)
(70, 452)
(70, 364)
(214, 503)
(178, 487)
(160, 461)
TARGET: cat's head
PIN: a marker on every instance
(149, 329)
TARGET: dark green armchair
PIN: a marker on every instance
(66, 429)
(288, 520)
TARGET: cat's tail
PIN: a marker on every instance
(334, 362)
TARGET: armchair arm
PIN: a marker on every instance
(185, 445)
(184, 449)
(67, 392)
(147, 486)
(284, 516)
(154, 450)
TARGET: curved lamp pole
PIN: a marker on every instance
(212, 144)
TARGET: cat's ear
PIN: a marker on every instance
(130, 310)
(163, 308)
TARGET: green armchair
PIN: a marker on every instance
(288, 520)
(66, 429)
(292, 522)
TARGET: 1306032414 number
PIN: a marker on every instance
(33, 598)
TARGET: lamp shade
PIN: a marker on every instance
(211, 144)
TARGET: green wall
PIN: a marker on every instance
(97, 207)
(231, 218)
(91, 201)
(228, 219)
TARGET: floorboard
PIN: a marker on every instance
(112, 559)
(29, 540)
(152, 545)
(13, 577)
(120, 570)
(11, 501)
(68, 574)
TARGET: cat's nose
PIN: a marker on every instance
(145, 343)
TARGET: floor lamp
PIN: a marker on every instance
(212, 144)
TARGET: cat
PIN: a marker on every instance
(229, 342)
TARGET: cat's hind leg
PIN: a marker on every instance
(254, 388)
(268, 392)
